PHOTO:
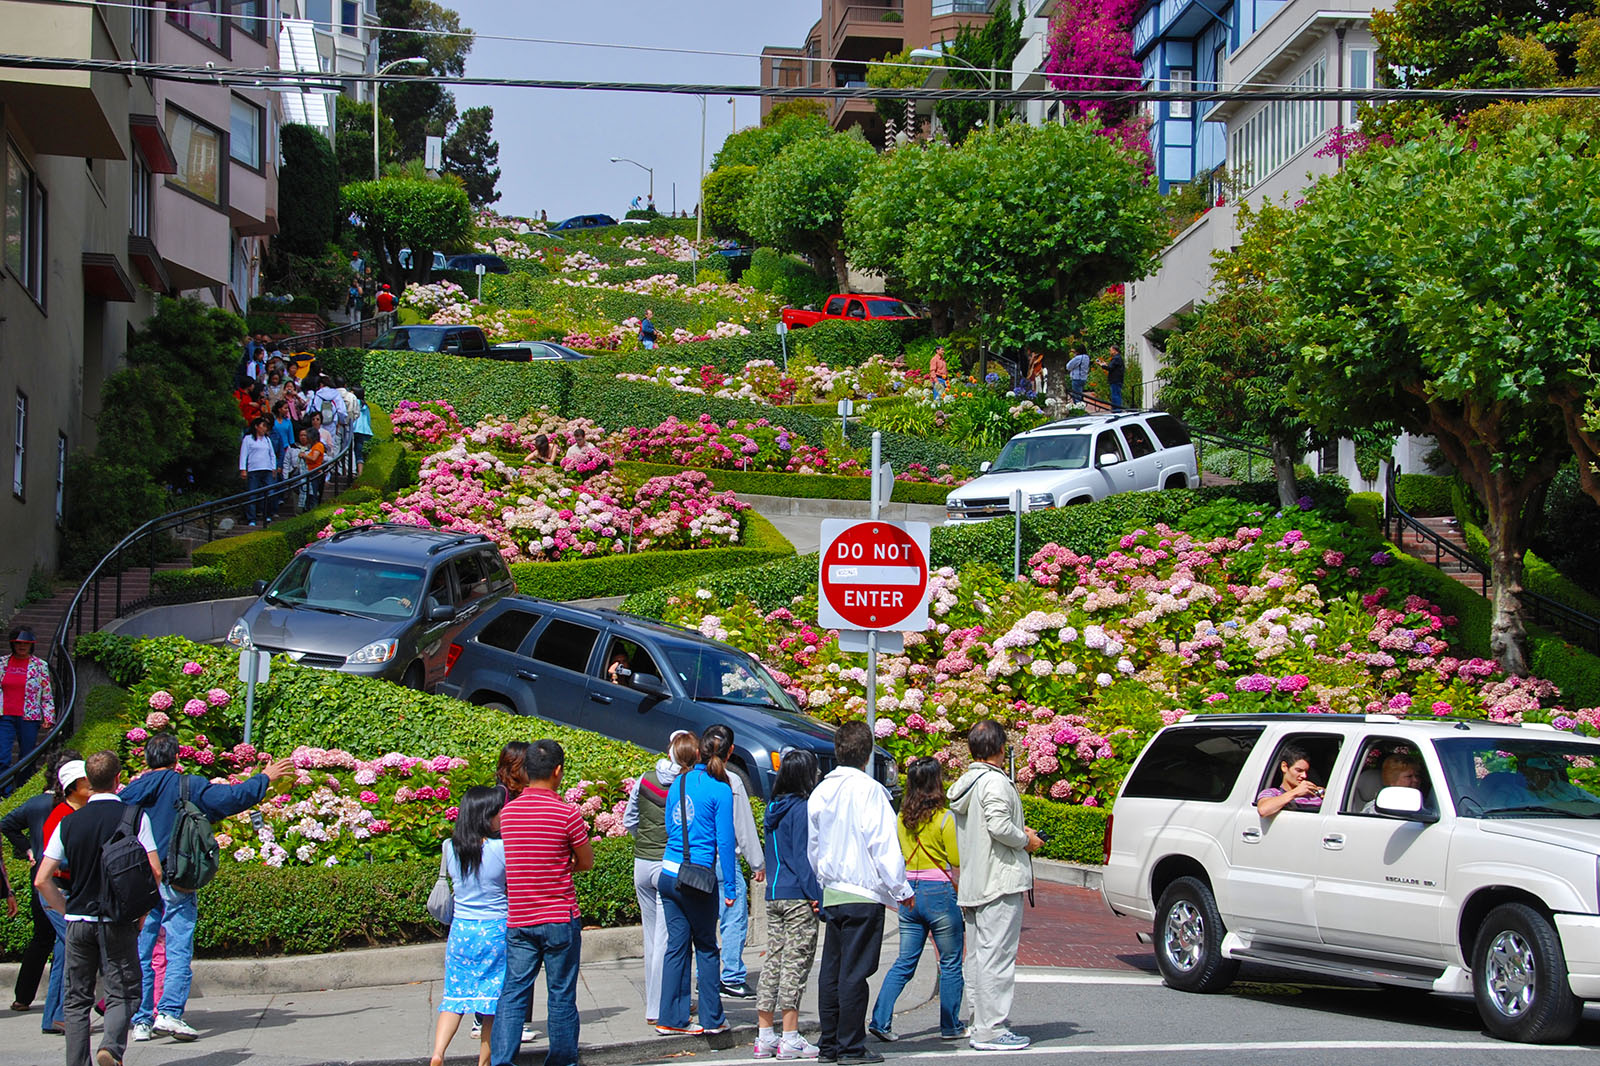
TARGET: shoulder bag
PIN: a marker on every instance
(692, 876)
(442, 900)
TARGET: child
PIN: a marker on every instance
(294, 463)
(793, 896)
(312, 452)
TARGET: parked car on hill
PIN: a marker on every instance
(492, 264)
(577, 222)
(1079, 460)
(850, 307)
(1444, 856)
(633, 679)
(381, 601)
(452, 340)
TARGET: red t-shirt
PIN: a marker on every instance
(386, 301)
(540, 829)
(14, 685)
(52, 820)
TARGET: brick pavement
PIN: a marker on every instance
(1072, 927)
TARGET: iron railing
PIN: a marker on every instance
(1204, 439)
(341, 334)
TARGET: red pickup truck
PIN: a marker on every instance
(850, 307)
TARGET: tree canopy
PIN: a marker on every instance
(797, 202)
(308, 192)
(470, 152)
(756, 146)
(353, 137)
(422, 108)
(992, 46)
(397, 213)
(722, 193)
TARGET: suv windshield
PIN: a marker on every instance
(347, 586)
(1521, 778)
(721, 674)
(1061, 451)
(889, 309)
(410, 339)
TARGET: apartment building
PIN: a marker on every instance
(118, 188)
(336, 37)
(853, 33)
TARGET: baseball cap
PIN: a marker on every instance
(70, 772)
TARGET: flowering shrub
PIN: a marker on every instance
(763, 381)
(1240, 611)
(504, 247)
(425, 423)
(431, 299)
(678, 249)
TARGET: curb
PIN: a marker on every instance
(623, 1054)
(1072, 874)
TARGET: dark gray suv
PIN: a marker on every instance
(382, 601)
(634, 679)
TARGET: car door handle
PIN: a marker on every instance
(599, 698)
(1251, 836)
(1333, 841)
(527, 675)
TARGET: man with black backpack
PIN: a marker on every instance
(110, 850)
(181, 808)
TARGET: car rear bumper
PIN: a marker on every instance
(1580, 942)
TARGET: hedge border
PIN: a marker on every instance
(796, 486)
(1428, 495)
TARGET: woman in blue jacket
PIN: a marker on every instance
(793, 897)
(704, 794)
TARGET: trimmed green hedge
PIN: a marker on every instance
(620, 575)
(245, 558)
(1537, 575)
(385, 469)
(1365, 509)
(770, 585)
(476, 388)
(195, 583)
(1425, 494)
(1077, 834)
(848, 343)
(796, 486)
(347, 364)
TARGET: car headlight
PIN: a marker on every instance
(379, 651)
(239, 635)
(1041, 501)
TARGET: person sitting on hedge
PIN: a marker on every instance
(157, 790)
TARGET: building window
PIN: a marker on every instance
(199, 18)
(143, 49)
(138, 196)
(199, 151)
(19, 464)
(1181, 81)
(61, 478)
(349, 18)
(1280, 130)
(1360, 77)
(321, 13)
(1219, 59)
(244, 133)
(252, 18)
(960, 7)
(25, 216)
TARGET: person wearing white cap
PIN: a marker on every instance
(23, 829)
(646, 821)
(26, 700)
(72, 791)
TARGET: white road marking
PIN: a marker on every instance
(1296, 1047)
(1087, 979)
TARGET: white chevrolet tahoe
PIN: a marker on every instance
(1079, 460)
(1449, 856)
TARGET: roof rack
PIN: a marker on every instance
(625, 616)
(1298, 716)
(355, 530)
(466, 538)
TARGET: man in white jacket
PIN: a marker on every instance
(995, 873)
(855, 849)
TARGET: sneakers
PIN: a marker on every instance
(104, 1057)
(529, 1033)
(176, 1028)
(672, 1030)
(716, 1030)
(476, 1032)
(140, 1031)
(796, 1048)
(766, 1047)
(1005, 1040)
(888, 1036)
(960, 1034)
(738, 991)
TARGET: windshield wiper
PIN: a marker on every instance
(276, 600)
(1540, 809)
(332, 610)
(741, 703)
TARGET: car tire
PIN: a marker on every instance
(1519, 978)
(414, 677)
(498, 705)
(744, 779)
(1177, 481)
(1188, 939)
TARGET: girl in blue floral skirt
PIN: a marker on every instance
(475, 957)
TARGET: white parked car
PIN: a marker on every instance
(1079, 460)
(1446, 856)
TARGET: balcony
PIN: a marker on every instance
(63, 112)
(865, 32)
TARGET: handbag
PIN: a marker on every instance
(442, 900)
(692, 876)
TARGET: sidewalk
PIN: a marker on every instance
(384, 1024)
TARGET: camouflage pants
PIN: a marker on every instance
(791, 947)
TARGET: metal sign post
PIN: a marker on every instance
(1016, 572)
(479, 270)
(783, 339)
(254, 666)
(846, 408)
(873, 508)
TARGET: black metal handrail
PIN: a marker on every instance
(319, 339)
(1202, 437)
(1577, 626)
(143, 543)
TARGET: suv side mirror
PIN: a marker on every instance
(259, 587)
(442, 612)
(1398, 801)
(983, 467)
(1110, 459)
(649, 684)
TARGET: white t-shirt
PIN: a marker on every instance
(55, 850)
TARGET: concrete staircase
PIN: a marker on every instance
(1448, 530)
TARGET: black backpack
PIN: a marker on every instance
(193, 855)
(127, 884)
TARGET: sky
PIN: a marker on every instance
(556, 145)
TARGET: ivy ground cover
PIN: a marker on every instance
(1235, 609)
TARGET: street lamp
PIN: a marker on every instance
(375, 87)
(648, 170)
(931, 55)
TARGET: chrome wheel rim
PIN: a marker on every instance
(1509, 973)
(1184, 937)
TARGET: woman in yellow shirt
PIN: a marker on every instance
(933, 866)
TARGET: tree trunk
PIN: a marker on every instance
(841, 267)
(1283, 472)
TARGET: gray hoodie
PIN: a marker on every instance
(989, 832)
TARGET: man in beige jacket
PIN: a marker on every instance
(995, 873)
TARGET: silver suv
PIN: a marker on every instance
(1079, 460)
(1447, 856)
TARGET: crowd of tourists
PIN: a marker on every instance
(293, 426)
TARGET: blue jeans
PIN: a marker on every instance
(177, 913)
(1116, 396)
(18, 730)
(691, 922)
(556, 946)
(55, 1012)
(734, 925)
(936, 915)
(1077, 389)
(258, 482)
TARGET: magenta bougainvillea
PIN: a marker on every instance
(1091, 47)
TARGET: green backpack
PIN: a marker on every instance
(193, 857)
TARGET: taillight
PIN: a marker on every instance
(454, 653)
(1105, 845)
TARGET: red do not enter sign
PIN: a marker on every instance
(874, 575)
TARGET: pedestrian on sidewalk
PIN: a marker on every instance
(282, 435)
(793, 899)
(313, 453)
(939, 371)
(699, 830)
(475, 955)
(855, 850)
(646, 821)
(257, 461)
(995, 846)
(511, 777)
(27, 700)
(546, 842)
(733, 919)
(927, 833)
(1116, 371)
(96, 945)
(23, 829)
(360, 426)
(72, 793)
(159, 791)
(1078, 373)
